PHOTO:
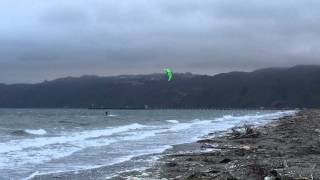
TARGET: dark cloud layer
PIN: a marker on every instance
(48, 39)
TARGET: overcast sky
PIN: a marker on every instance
(46, 39)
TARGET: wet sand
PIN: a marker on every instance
(288, 148)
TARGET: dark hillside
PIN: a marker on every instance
(298, 86)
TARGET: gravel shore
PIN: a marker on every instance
(288, 148)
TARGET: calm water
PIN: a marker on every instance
(40, 141)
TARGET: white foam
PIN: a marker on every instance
(115, 161)
(183, 126)
(36, 131)
(173, 121)
(19, 152)
(15, 145)
(112, 115)
(180, 126)
(228, 121)
(32, 175)
(255, 117)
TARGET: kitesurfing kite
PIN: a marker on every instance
(169, 73)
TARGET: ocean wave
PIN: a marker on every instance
(36, 131)
(32, 175)
(112, 115)
(183, 126)
(72, 122)
(28, 132)
(255, 117)
(115, 161)
(48, 152)
(19, 133)
(173, 121)
(48, 148)
(16, 145)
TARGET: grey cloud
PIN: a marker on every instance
(61, 38)
(65, 17)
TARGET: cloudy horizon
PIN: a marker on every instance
(45, 40)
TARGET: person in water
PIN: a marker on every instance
(107, 113)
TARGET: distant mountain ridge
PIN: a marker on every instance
(293, 87)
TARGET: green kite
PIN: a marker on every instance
(169, 73)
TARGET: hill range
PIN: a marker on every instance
(294, 87)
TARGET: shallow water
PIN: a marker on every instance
(41, 141)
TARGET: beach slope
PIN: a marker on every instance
(288, 148)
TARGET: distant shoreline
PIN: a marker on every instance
(191, 108)
(138, 108)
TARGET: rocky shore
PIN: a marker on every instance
(288, 148)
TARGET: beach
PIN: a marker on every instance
(288, 148)
(174, 145)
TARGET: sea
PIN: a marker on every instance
(37, 142)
